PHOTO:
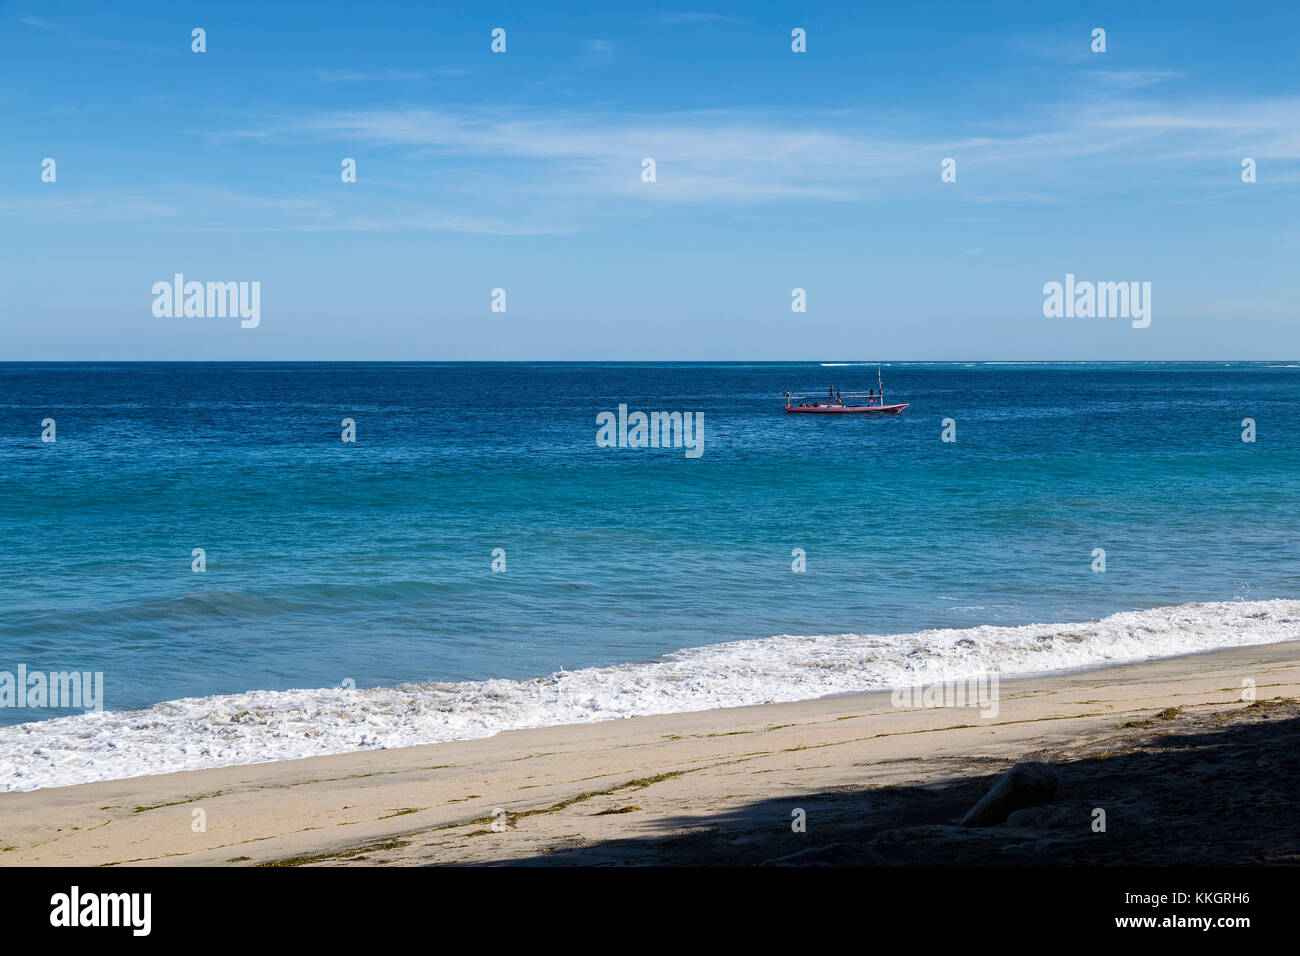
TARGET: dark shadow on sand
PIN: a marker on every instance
(1214, 789)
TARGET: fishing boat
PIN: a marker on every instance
(834, 403)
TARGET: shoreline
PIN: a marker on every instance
(256, 727)
(694, 787)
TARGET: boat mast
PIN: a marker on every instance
(880, 385)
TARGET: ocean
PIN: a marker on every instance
(348, 598)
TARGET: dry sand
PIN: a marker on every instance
(1213, 781)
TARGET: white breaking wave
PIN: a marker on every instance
(260, 726)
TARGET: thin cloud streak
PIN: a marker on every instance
(737, 156)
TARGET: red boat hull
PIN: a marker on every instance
(846, 409)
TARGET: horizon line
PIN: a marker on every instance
(559, 361)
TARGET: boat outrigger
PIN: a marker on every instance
(834, 403)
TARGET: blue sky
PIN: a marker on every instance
(775, 170)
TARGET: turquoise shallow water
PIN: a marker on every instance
(372, 561)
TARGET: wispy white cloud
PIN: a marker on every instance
(214, 209)
(747, 156)
(596, 53)
(74, 36)
(701, 156)
(90, 208)
(431, 220)
(1131, 79)
(510, 171)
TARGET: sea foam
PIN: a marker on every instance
(259, 726)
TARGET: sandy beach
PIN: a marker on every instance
(1185, 769)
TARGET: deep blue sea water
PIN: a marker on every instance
(373, 561)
